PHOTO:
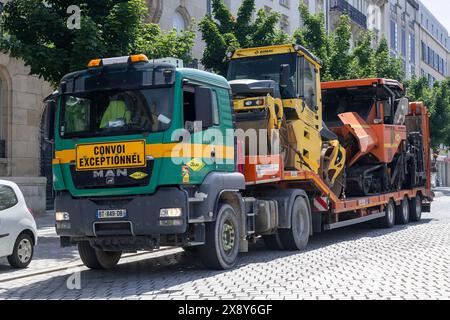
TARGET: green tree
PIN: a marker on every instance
(437, 100)
(37, 32)
(386, 65)
(222, 32)
(341, 58)
(313, 36)
(363, 58)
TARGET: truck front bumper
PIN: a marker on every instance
(141, 223)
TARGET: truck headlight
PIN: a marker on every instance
(62, 216)
(170, 213)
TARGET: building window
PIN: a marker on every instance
(403, 42)
(284, 3)
(284, 23)
(430, 56)
(412, 48)
(424, 52)
(394, 33)
(179, 23)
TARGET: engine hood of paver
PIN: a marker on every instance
(85, 159)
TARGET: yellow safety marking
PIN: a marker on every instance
(165, 150)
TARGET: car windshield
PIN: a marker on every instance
(116, 112)
(265, 68)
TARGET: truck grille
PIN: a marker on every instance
(114, 178)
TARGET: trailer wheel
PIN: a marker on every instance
(402, 212)
(296, 238)
(388, 221)
(273, 242)
(221, 247)
(97, 259)
(415, 208)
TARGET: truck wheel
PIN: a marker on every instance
(296, 238)
(222, 236)
(97, 259)
(402, 212)
(415, 208)
(388, 221)
(273, 242)
(22, 252)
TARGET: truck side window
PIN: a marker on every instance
(310, 87)
(215, 104)
(189, 108)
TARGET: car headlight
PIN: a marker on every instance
(170, 213)
(62, 216)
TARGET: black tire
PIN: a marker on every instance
(388, 221)
(222, 237)
(23, 252)
(273, 242)
(402, 212)
(415, 208)
(98, 259)
(296, 238)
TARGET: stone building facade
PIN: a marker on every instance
(21, 109)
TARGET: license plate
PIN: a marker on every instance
(111, 214)
(127, 154)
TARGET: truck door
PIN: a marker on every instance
(311, 112)
(201, 120)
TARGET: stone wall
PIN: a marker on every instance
(22, 108)
(33, 189)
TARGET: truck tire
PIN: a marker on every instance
(402, 212)
(415, 208)
(222, 236)
(97, 259)
(296, 238)
(273, 242)
(388, 221)
(22, 252)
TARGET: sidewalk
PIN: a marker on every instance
(441, 191)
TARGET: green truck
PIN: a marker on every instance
(145, 155)
(119, 187)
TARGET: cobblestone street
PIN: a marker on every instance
(359, 262)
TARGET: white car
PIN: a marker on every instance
(18, 232)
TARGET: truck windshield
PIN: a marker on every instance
(115, 112)
(265, 68)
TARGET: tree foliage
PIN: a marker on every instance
(339, 60)
(437, 99)
(223, 32)
(37, 32)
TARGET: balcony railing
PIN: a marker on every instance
(355, 15)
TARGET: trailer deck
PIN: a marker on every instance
(267, 170)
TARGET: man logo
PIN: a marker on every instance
(110, 173)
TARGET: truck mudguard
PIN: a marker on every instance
(213, 186)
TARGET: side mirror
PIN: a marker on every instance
(285, 74)
(204, 106)
(49, 120)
